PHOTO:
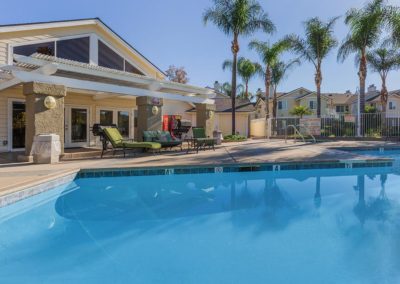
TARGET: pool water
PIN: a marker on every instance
(315, 226)
(394, 154)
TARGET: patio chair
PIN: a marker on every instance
(163, 137)
(200, 139)
(119, 143)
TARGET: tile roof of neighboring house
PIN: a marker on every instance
(341, 99)
(225, 105)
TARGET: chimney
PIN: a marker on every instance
(372, 89)
(217, 86)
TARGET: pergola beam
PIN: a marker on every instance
(153, 84)
(24, 76)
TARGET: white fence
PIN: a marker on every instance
(377, 125)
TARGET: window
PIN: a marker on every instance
(76, 49)
(123, 123)
(106, 117)
(132, 69)
(46, 48)
(312, 104)
(392, 105)
(282, 105)
(342, 109)
(108, 58)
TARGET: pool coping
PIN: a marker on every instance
(33, 188)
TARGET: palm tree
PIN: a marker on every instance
(227, 89)
(300, 111)
(278, 74)
(269, 54)
(237, 18)
(245, 69)
(315, 47)
(365, 29)
(382, 61)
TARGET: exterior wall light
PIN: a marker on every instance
(155, 110)
(210, 114)
(50, 102)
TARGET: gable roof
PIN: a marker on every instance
(225, 105)
(75, 22)
(301, 90)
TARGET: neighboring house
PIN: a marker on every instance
(223, 114)
(301, 97)
(95, 77)
(340, 103)
(393, 102)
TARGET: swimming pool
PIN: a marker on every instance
(389, 153)
(304, 226)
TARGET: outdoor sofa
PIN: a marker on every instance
(163, 137)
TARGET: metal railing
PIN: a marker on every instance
(296, 132)
(375, 125)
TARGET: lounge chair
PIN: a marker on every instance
(119, 143)
(163, 137)
(200, 139)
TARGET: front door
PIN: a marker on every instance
(18, 124)
(76, 126)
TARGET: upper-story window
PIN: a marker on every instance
(110, 59)
(282, 105)
(312, 104)
(76, 49)
(392, 105)
(132, 69)
(46, 48)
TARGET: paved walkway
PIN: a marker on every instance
(14, 177)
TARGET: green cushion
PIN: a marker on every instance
(117, 141)
(148, 145)
(199, 132)
(113, 135)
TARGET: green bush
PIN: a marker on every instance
(232, 138)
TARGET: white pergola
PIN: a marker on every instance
(99, 82)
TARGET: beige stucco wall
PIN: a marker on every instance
(324, 104)
(223, 122)
(8, 39)
(258, 127)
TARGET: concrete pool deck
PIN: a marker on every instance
(19, 176)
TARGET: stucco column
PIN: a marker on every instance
(41, 119)
(149, 115)
(205, 116)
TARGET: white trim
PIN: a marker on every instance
(94, 49)
(9, 124)
(24, 76)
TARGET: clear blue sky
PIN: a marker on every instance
(172, 32)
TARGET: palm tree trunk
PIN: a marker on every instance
(247, 90)
(384, 99)
(267, 88)
(318, 81)
(235, 50)
(274, 104)
(362, 74)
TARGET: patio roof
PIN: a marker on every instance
(98, 81)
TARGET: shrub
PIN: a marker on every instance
(232, 138)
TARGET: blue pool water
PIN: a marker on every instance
(394, 154)
(315, 226)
